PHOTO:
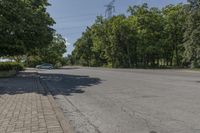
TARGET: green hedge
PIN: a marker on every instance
(7, 66)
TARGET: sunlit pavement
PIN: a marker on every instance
(127, 100)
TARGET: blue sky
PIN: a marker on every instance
(73, 16)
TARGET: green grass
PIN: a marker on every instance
(6, 74)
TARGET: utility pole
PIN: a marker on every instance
(110, 8)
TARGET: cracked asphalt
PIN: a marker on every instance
(98, 100)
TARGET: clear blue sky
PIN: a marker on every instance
(73, 16)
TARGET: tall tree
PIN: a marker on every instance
(149, 37)
(83, 48)
(150, 33)
(192, 34)
(24, 26)
(174, 17)
(53, 53)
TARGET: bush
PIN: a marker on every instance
(195, 64)
(7, 66)
(57, 65)
(32, 61)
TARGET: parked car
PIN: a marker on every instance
(45, 66)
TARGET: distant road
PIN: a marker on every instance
(99, 100)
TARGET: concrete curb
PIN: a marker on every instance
(65, 125)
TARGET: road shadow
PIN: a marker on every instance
(19, 85)
(67, 84)
(57, 84)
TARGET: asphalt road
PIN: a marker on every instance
(127, 101)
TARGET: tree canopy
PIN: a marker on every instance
(53, 53)
(24, 26)
(148, 37)
(192, 34)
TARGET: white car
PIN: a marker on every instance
(45, 66)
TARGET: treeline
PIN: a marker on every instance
(148, 37)
(26, 33)
(52, 53)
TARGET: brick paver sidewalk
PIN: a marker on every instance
(24, 107)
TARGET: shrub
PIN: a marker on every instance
(57, 65)
(195, 64)
(7, 66)
(32, 61)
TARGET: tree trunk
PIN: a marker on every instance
(177, 57)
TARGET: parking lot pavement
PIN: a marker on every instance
(99, 100)
(25, 107)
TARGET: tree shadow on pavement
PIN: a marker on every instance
(57, 84)
(18, 85)
(67, 84)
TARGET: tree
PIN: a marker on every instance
(149, 37)
(52, 54)
(99, 38)
(115, 50)
(24, 26)
(174, 17)
(192, 34)
(83, 50)
(55, 51)
(150, 33)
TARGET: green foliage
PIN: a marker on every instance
(192, 34)
(58, 65)
(148, 37)
(24, 26)
(150, 27)
(6, 66)
(52, 54)
(175, 19)
(33, 61)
